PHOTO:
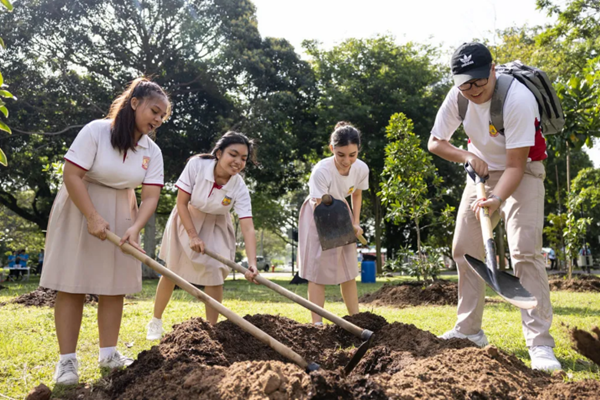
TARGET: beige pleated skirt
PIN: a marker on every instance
(329, 267)
(217, 233)
(76, 261)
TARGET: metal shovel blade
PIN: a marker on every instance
(507, 286)
(359, 353)
(334, 226)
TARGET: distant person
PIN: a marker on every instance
(513, 159)
(341, 175)
(552, 257)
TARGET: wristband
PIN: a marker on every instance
(493, 196)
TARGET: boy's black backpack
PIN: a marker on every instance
(536, 80)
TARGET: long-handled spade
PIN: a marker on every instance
(230, 315)
(361, 333)
(506, 285)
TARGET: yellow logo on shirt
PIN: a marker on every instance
(145, 162)
(226, 201)
(493, 131)
(351, 190)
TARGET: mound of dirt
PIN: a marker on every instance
(586, 343)
(42, 297)
(579, 283)
(197, 360)
(409, 294)
(582, 390)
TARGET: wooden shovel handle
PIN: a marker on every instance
(206, 299)
(350, 327)
(361, 238)
(484, 215)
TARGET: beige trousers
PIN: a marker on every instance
(523, 214)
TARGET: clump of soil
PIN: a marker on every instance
(579, 283)
(582, 390)
(197, 360)
(41, 392)
(409, 294)
(43, 297)
(586, 343)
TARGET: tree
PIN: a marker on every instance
(4, 93)
(366, 81)
(407, 178)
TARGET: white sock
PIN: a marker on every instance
(154, 319)
(319, 323)
(70, 356)
(106, 352)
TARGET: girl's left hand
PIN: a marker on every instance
(492, 204)
(357, 229)
(132, 236)
(251, 273)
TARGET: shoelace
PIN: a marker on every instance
(67, 366)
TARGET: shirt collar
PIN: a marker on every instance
(143, 142)
(209, 174)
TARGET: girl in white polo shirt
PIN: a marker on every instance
(209, 187)
(340, 176)
(107, 161)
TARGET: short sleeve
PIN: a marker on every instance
(155, 175)
(243, 204)
(363, 177)
(318, 184)
(84, 148)
(187, 178)
(520, 116)
(447, 119)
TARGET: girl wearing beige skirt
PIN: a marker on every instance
(209, 187)
(340, 176)
(107, 160)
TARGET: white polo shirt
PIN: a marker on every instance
(198, 180)
(93, 152)
(521, 126)
(326, 179)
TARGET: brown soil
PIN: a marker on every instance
(42, 297)
(579, 283)
(586, 343)
(41, 392)
(198, 361)
(581, 390)
(409, 294)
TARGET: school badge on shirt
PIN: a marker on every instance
(226, 201)
(145, 162)
(351, 190)
(493, 131)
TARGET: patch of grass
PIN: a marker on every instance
(29, 351)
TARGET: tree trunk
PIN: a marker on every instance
(569, 258)
(150, 247)
(500, 246)
(418, 228)
(378, 219)
(560, 228)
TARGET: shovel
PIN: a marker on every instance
(363, 334)
(206, 299)
(334, 226)
(506, 285)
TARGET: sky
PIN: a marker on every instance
(448, 23)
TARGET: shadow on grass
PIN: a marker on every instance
(579, 311)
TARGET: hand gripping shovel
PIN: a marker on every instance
(206, 299)
(363, 334)
(334, 226)
(506, 285)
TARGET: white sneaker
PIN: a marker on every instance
(66, 372)
(155, 330)
(542, 358)
(479, 338)
(117, 360)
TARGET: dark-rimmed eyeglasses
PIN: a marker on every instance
(468, 85)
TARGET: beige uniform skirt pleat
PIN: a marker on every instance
(77, 262)
(329, 267)
(216, 231)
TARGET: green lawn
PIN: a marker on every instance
(28, 348)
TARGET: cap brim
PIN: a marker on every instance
(477, 73)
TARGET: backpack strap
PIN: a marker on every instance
(503, 83)
(463, 104)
